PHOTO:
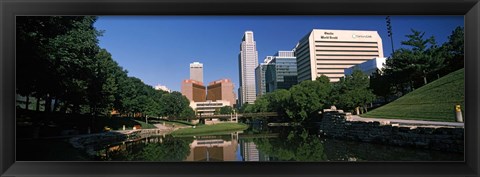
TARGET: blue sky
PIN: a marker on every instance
(159, 49)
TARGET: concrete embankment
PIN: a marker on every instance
(436, 136)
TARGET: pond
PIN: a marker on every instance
(261, 143)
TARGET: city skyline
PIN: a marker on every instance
(158, 53)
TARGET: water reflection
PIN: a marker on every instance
(214, 148)
(266, 144)
(294, 146)
(157, 148)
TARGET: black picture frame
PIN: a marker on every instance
(10, 8)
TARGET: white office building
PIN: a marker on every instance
(247, 62)
(369, 67)
(330, 52)
(196, 71)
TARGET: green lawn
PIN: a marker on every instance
(434, 101)
(208, 129)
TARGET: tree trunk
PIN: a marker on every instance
(424, 77)
(27, 102)
(55, 105)
(48, 103)
(357, 109)
(38, 104)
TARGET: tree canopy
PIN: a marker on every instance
(60, 62)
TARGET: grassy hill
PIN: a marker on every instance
(434, 101)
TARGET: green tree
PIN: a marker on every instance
(453, 50)
(173, 104)
(278, 101)
(309, 97)
(187, 113)
(226, 110)
(102, 86)
(353, 91)
(247, 108)
(55, 57)
(380, 85)
(421, 58)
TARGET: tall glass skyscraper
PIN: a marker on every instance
(281, 73)
(260, 76)
(247, 61)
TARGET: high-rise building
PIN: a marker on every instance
(221, 90)
(194, 90)
(260, 76)
(196, 71)
(281, 73)
(329, 52)
(247, 61)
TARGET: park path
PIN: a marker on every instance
(406, 121)
(163, 127)
(169, 128)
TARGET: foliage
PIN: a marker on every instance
(246, 108)
(434, 101)
(60, 63)
(309, 97)
(172, 149)
(56, 58)
(453, 50)
(169, 150)
(173, 105)
(380, 85)
(187, 113)
(294, 146)
(420, 62)
(353, 91)
(226, 110)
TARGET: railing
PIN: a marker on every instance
(261, 114)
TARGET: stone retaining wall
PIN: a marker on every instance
(335, 125)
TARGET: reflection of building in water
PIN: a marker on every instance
(214, 148)
(250, 152)
(128, 147)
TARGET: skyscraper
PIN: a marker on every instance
(281, 73)
(196, 71)
(260, 76)
(247, 61)
(329, 52)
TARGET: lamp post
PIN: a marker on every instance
(389, 30)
